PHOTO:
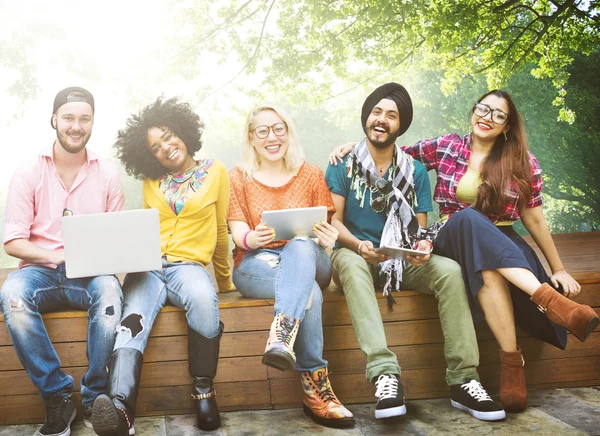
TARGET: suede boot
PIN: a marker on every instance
(203, 356)
(579, 319)
(513, 386)
(114, 413)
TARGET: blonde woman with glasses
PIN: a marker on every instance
(275, 176)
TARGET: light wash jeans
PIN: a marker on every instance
(184, 284)
(294, 275)
(33, 290)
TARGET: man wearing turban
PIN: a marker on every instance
(382, 197)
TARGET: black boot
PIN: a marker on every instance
(203, 359)
(113, 414)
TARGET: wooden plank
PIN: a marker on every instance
(431, 383)
(547, 371)
(432, 355)
(340, 362)
(409, 307)
(159, 349)
(176, 400)
(166, 374)
(252, 343)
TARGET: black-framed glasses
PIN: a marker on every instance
(498, 116)
(261, 132)
(384, 187)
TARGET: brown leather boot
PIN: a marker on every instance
(320, 403)
(513, 386)
(579, 319)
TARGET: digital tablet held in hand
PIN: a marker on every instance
(400, 253)
(289, 223)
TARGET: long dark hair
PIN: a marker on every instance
(507, 164)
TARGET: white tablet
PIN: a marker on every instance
(290, 223)
(400, 253)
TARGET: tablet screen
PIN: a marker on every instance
(291, 223)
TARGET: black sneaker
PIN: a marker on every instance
(390, 397)
(87, 417)
(60, 413)
(473, 398)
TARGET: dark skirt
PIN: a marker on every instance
(473, 241)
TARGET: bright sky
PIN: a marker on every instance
(112, 48)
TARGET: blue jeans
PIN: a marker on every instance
(184, 284)
(294, 275)
(33, 290)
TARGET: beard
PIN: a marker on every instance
(63, 139)
(381, 143)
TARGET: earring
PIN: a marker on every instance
(505, 137)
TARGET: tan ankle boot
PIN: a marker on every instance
(279, 352)
(579, 319)
(513, 387)
(320, 403)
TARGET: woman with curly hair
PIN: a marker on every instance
(275, 176)
(487, 180)
(192, 197)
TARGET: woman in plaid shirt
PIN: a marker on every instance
(487, 180)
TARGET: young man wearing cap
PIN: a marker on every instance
(382, 197)
(63, 179)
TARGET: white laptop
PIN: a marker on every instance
(291, 223)
(111, 243)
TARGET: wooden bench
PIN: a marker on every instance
(413, 333)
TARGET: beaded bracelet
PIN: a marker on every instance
(244, 242)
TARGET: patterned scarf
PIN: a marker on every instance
(401, 227)
(180, 187)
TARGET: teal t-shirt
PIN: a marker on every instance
(364, 222)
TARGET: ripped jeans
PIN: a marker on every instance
(33, 290)
(183, 284)
(294, 275)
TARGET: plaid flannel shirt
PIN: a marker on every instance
(449, 156)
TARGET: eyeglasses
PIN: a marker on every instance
(379, 204)
(261, 132)
(498, 116)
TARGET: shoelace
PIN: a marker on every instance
(477, 391)
(387, 387)
(324, 389)
(284, 334)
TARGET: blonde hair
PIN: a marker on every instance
(294, 156)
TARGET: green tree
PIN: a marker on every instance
(306, 44)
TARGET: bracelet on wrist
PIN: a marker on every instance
(359, 247)
(245, 245)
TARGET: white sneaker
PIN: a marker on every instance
(390, 397)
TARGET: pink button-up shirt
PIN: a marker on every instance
(37, 198)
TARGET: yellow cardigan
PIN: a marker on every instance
(199, 233)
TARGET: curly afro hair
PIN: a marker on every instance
(169, 114)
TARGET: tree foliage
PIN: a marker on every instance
(358, 40)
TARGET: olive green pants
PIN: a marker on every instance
(440, 277)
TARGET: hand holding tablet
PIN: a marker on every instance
(400, 253)
(291, 223)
